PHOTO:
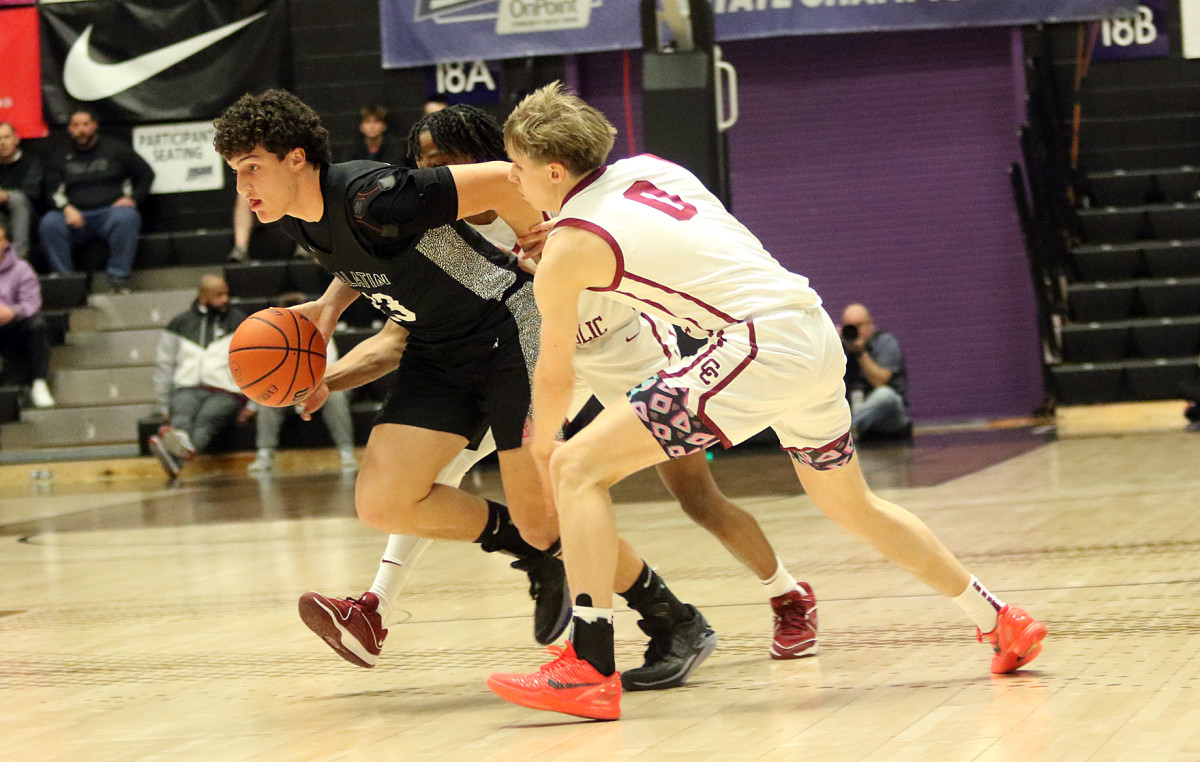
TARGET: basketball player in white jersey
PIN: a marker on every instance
(618, 347)
(647, 232)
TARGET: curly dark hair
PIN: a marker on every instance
(276, 120)
(462, 129)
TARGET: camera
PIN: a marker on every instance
(850, 332)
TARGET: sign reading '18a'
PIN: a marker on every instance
(474, 82)
(458, 78)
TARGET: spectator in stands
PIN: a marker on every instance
(375, 145)
(24, 335)
(269, 242)
(1190, 391)
(335, 412)
(21, 178)
(197, 396)
(434, 105)
(98, 183)
(243, 226)
(876, 377)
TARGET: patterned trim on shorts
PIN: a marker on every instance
(664, 411)
(826, 457)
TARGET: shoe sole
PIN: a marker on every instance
(1025, 649)
(707, 646)
(798, 651)
(324, 622)
(165, 460)
(611, 711)
(560, 625)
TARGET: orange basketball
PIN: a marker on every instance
(277, 357)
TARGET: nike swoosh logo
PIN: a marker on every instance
(566, 686)
(631, 338)
(89, 80)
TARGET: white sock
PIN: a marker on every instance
(403, 551)
(394, 568)
(780, 582)
(980, 605)
(591, 613)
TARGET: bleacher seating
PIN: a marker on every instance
(102, 363)
(1127, 321)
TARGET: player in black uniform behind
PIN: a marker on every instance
(462, 329)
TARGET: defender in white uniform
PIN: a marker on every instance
(648, 233)
(618, 347)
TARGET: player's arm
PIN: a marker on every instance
(572, 261)
(328, 308)
(373, 358)
(485, 187)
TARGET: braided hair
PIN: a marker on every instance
(460, 129)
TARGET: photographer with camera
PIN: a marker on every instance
(876, 377)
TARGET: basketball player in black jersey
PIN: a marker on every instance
(462, 328)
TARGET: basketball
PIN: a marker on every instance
(277, 357)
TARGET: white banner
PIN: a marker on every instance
(182, 156)
(1189, 21)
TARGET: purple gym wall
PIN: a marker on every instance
(877, 165)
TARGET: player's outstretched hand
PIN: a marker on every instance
(321, 316)
(532, 243)
(313, 402)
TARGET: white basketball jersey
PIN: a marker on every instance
(500, 234)
(680, 254)
(598, 315)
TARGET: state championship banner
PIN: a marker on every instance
(21, 83)
(159, 60)
(424, 32)
(182, 156)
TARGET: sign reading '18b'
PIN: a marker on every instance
(1142, 35)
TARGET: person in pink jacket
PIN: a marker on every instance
(24, 335)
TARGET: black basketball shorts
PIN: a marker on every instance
(465, 396)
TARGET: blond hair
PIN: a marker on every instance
(552, 124)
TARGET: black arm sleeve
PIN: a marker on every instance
(410, 201)
(140, 172)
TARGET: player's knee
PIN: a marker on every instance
(386, 510)
(372, 513)
(699, 511)
(571, 472)
(540, 532)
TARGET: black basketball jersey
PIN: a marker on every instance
(392, 235)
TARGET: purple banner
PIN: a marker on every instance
(424, 32)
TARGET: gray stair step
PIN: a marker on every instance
(59, 427)
(69, 453)
(104, 386)
(103, 349)
(18, 436)
(140, 309)
(171, 278)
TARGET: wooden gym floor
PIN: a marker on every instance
(139, 622)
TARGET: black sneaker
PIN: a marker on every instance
(675, 650)
(552, 597)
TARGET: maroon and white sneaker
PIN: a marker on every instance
(795, 624)
(351, 626)
(177, 442)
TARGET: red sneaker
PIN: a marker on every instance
(795, 624)
(568, 684)
(1016, 639)
(350, 626)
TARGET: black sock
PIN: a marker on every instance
(502, 535)
(650, 597)
(593, 641)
